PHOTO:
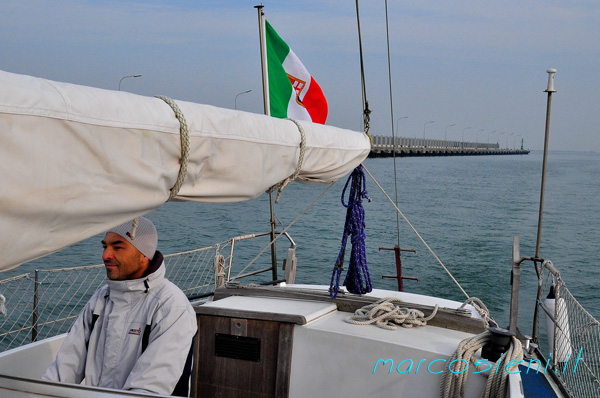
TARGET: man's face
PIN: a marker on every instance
(121, 259)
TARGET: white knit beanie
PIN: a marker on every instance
(143, 235)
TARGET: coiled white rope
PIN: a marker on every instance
(387, 313)
(281, 185)
(185, 145)
(496, 385)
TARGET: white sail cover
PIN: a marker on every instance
(76, 161)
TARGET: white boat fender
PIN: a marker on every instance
(549, 304)
(559, 344)
(2, 305)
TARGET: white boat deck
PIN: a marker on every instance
(325, 355)
(334, 355)
(331, 357)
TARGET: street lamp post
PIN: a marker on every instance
(446, 130)
(398, 122)
(462, 143)
(426, 123)
(507, 139)
(125, 77)
(477, 138)
(491, 132)
(235, 101)
(499, 134)
(514, 139)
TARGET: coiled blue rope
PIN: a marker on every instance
(358, 279)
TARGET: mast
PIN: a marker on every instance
(267, 111)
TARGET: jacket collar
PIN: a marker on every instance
(155, 275)
(155, 263)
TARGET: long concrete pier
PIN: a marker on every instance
(384, 147)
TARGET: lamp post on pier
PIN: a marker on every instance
(235, 101)
(426, 123)
(462, 143)
(400, 118)
(397, 124)
(507, 139)
(125, 77)
(499, 134)
(490, 132)
(477, 138)
(446, 130)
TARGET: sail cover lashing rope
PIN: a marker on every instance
(358, 279)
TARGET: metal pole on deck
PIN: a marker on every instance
(267, 111)
(549, 90)
(263, 59)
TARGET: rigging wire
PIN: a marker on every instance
(366, 110)
(417, 233)
(387, 31)
(366, 120)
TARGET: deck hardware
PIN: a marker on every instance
(399, 277)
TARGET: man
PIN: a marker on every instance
(136, 331)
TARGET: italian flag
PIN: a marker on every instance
(293, 93)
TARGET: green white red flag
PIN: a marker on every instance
(293, 93)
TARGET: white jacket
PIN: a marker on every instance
(112, 355)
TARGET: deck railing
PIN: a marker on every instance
(574, 336)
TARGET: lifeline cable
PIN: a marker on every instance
(358, 279)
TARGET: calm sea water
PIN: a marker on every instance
(466, 208)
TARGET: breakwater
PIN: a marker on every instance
(385, 146)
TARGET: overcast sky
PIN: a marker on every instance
(477, 64)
